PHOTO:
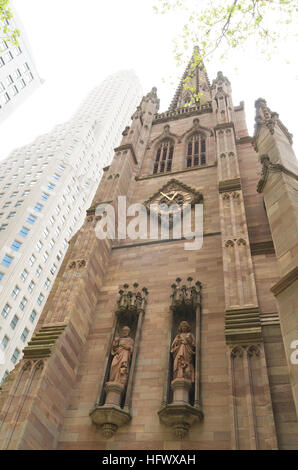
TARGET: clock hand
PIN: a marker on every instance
(173, 196)
(165, 195)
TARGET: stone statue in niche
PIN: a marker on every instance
(183, 350)
(122, 350)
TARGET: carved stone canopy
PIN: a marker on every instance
(131, 300)
(185, 295)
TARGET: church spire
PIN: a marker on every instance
(194, 86)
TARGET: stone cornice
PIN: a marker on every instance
(285, 282)
(182, 113)
(229, 185)
(158, 175)
(127, 147)
(243, 325)
(43, 342)
(156, 242)
(269, 167)
(262, 248)
(244, 140)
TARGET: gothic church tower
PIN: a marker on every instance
(144, 344)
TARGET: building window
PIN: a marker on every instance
(5, 311)
(38, 207)
(40, 299)
(45, 256)
(44, 196)
(6, 374)
(18, 203)
(164, 157)
(1, 276)
(15, 245)
(14, 322)
(45, 232)
(53, 269)
(196, 150)
(4, 342)
(7, 260)
(23, 303)
(39, 245)
(32, 316)
(24, 335)
(47, 283)
(38, 270)
(24, 232)
(31, 219)
(15, 292)
(24, 275)
(51, 186)
(31, 286)
(3, 227)
(15, 356)
(32, 260)
(11, 215)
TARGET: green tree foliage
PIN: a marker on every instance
(7, 32)
(223, 25)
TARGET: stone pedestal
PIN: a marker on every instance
(181, 388)
(109, 417)
(114, 392)
(179, 414)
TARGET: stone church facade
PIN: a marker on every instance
(144, 344)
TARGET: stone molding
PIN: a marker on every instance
(43, 342)
(243, 325)
(269, 167)
(285, 282)
(127, 147)
(229, 185)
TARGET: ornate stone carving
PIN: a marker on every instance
(265, 117)
(183, 350)
(185, 294)
(113, 407)
(122, 350)
(178, 410)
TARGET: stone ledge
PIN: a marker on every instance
(229, 185)
(180, 417)
(243, 325)
(285, 282)
(127, 147)
(43, 342)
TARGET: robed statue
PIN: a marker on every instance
(122, 349)
(183, 350)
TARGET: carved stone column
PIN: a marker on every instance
(112, 409)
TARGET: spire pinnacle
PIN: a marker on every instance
(194, 85)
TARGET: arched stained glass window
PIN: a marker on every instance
(164, 157)
(196, 150)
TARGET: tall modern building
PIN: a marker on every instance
(18, 74)
(45, 189)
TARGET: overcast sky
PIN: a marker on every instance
(77, 43)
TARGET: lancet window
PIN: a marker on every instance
(164, 157)
(196, 150)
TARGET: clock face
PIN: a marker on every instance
(173, 197)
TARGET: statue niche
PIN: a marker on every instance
(112, 409)
(180, 407)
